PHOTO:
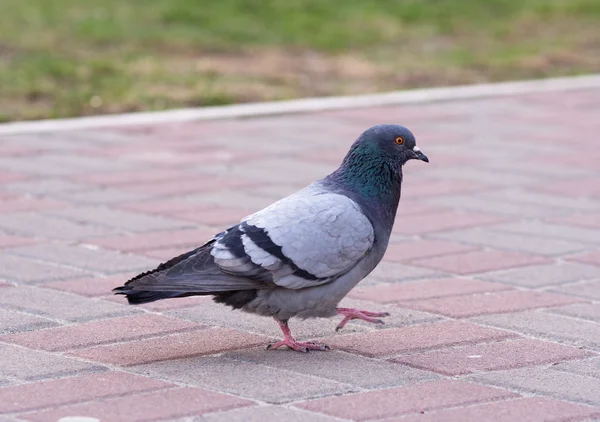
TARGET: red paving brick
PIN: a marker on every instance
(426, 289)
(405, 400)
(8, 241)
(63, 391)
(444, 221)
(154, 240)
(394, 341)
(492, 356)
(592, 258)
(173, 403)
(203, 342)
(490, 303)
(407, 251)
(528, 409)
(480, 261)
(99, 332)
(97, 286)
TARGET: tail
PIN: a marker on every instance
(193, 273)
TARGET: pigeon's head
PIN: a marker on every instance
(395, 140)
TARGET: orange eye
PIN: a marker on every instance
(399, 140)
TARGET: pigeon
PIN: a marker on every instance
(300, 256)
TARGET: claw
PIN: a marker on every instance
(292, 343)
(350, 314)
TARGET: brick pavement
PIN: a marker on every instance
(492, 277)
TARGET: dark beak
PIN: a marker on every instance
(419, 155)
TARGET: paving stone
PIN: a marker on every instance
(395, 341)
(102, 197)
(39, 225)
(148, 406)
(424, 289)
(586, 289)
(25, 203)
(514, 242)
(337, 366)
(405, 400)
(214, 314)
(163, 305)
(45, 186)
(407, 251)
(588, 367)
(92, 286)
(176, 346)
(490, 303)
(480, 261)
(155, 240)
(124, 220)
(26, 364)
(545, 275)
(491, 356)
(530, 196)
(591, 220)
(393, 272)
(12, 321)
(548, 326)
(101, 332)
(59, 305)
(547, 382)
(528, 409)
(266, 413)
(86, 258)
(556, 231)
(52, 393)
(26, 270)
(268, 384)
(438, 222)
(475, 203)
(7, 241)
(592, 258)
(589, 311)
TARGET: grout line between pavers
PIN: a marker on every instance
(307, 105)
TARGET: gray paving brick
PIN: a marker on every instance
(557, 231)
(478, 203)
(494, 178)
(27, 165)
(40, 225)
(547, 382)
(548, 326)
(523, 196)
(272, 385)
(545, 275)
(392, 272)
(28, 365)
(15, 322)
(211, 313)
(125, 220)
(60, 305)
(588, 367)
(102, 196)
(25, 270)
(589, 311)
(267, 413)
(232, 198)
(338, 366)
(86, 258)
(514, 242)
(45, 186)
(586, 289)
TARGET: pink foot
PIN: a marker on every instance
(292, 343)
(351, 313)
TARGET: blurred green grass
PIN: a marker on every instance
(61, 58)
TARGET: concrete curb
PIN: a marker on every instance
(308, 105)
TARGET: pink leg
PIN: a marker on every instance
(351, 313)
(292, 343)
